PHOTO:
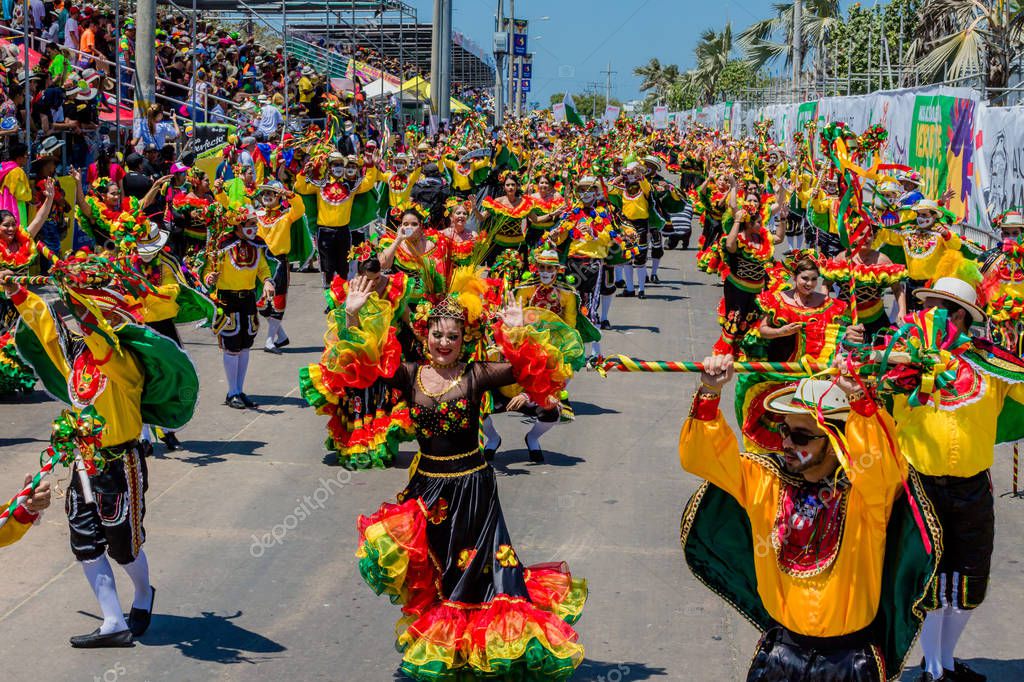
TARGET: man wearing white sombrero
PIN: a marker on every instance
(805, 542)
(951, 446)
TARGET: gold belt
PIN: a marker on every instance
(449, 458)
(454, 474)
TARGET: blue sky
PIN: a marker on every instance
(586, 35)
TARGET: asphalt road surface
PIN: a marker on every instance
(251, 529)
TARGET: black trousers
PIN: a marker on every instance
(966, 511)
(784, 656)
(113, 522)
(333, 245)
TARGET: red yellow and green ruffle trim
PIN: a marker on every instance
(520, 211)
(507, 638)
(881, 275)
(22, 255)
(543, 354)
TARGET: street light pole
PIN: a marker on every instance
(797, 47)
(500, 47)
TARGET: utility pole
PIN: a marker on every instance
(435, 58)
(797, 47)
(513, 102)
(500, 48)
(608, 84)
(145, 56)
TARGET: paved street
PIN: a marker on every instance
(251, 530)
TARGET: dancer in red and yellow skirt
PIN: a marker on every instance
(472, 609)
(460, 242)
(367, 425)
(503, 218)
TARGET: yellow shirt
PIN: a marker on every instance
(240, 269)
(334, 210)
(954, 441)
(277, 233)
(305, 90)
(119, 403)
(565, 309)
(923, 249)
(398, 195)
(16, 182)
(163, 305)
(463, 181)
(843, 598)
(635, 207)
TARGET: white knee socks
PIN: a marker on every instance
(655, 263)
(538, 430)
(952, 627)
(627, 269)
(641, 280)
(931, 641)
(243, 367)
(606, 306)
(101, 579)
(275, 332)
(231, 372)
(138, 571)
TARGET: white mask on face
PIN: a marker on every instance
(351, 172)
(249, 232)
(925, 221)
(588, 197)
(148, 257)
(269, 199)
(337, 171)
(546, 277)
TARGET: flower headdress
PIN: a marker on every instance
(454, 202)
(361, 252)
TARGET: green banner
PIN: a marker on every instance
(929, 131)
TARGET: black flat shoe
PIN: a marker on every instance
(489, 453)
(94, 640)
(653, 279)
(641, 295)
(536, 456)
(138, 619)
(962, 673)
(626, 294)
(170, 441)
(605, 324)
(247, 401)
(272, 349)
(235, 402)
(282, 344)
(619, 283)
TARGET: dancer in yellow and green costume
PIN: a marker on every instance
(782, 536)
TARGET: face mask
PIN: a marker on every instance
(249, 232)
(588, 197)
(269, 200)
(337, 171)
(351, 172)
(148, 257)
(925, 221)
(399, 167)
(546, 277)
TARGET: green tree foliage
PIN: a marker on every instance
(859, 38)
(587, 103)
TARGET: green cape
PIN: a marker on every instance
(171, 388)
(719, 548)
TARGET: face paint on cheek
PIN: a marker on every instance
(803, 456)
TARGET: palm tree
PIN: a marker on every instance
(658, 78)
(967, 38)
(712, 53)
(770, 41)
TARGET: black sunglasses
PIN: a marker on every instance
(798, 437)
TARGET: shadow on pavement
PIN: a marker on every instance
(11, 442)
(205, 452)
(635, 327)
(277, 401)
(581, 408)
(33, 398)
(210, 637)
(591, 671)
(993, 668)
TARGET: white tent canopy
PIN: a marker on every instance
(380, 88)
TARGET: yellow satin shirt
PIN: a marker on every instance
(119, 403)
(843, 598)
(958, 441)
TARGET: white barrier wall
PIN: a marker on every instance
(948, 134)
